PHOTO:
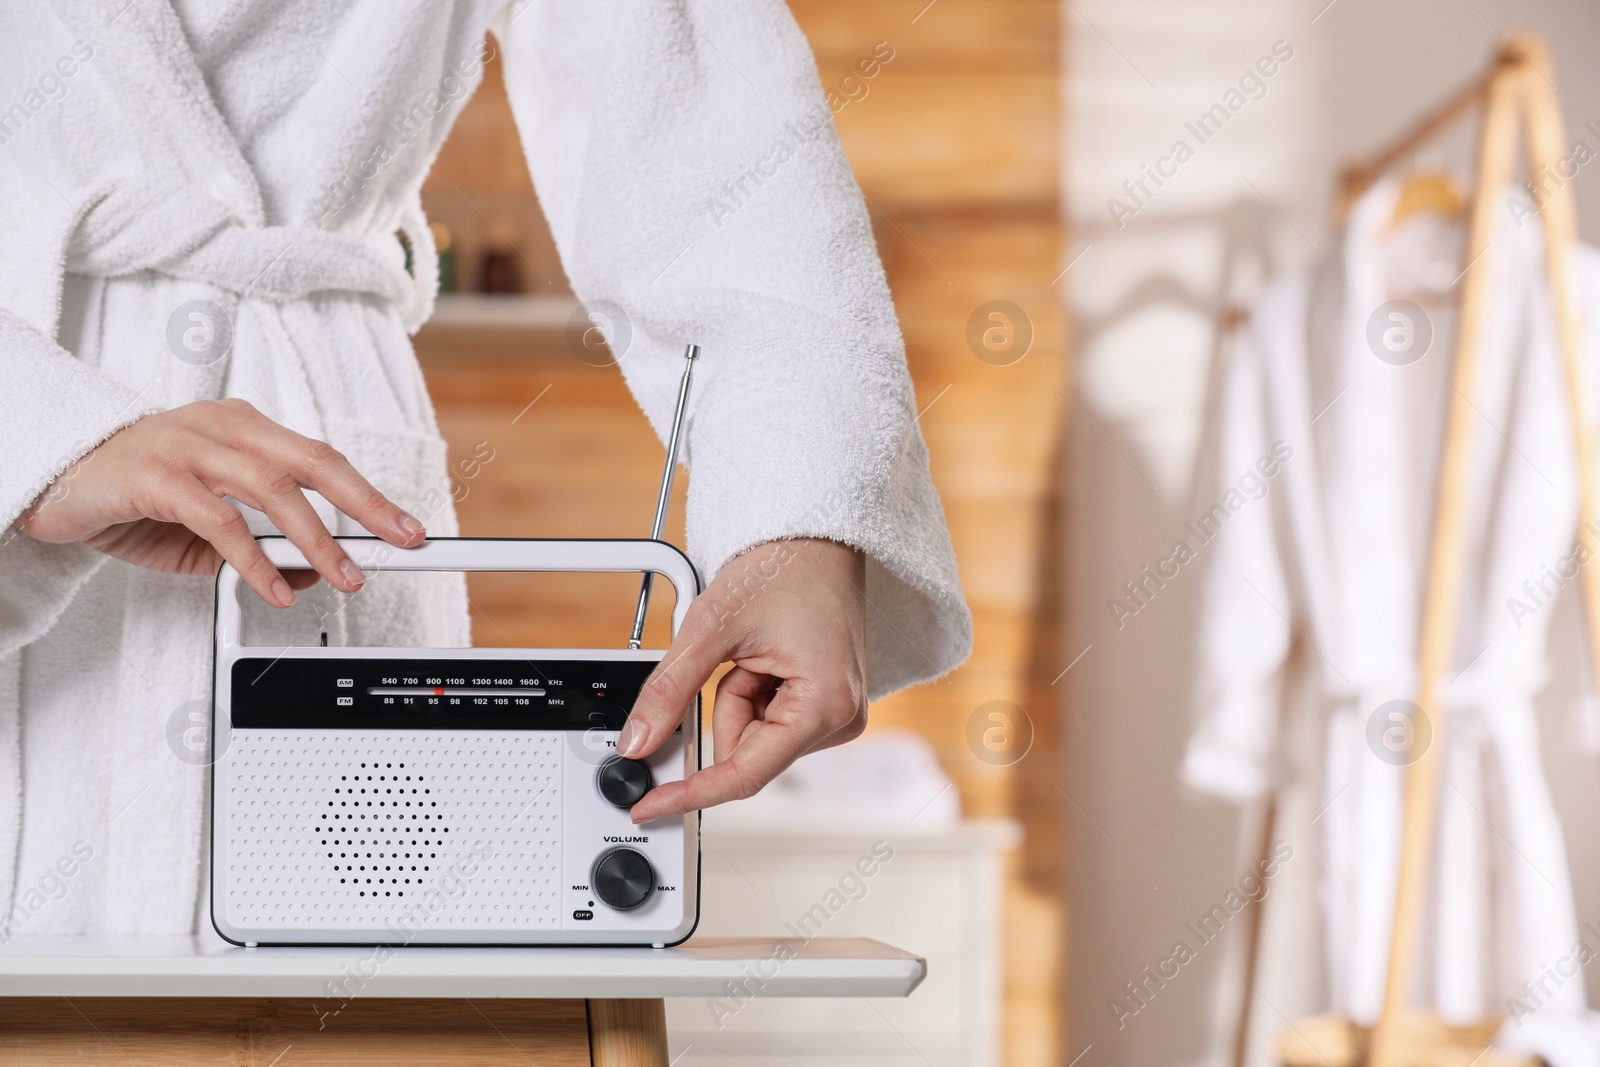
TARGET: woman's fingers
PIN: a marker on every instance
(278, 494)
(799, 680)
(701, 647)
(742, 697)
(189, 501)
(764, 749)
(172, 469)
(798, 718)
(769, 726)
(318, 465)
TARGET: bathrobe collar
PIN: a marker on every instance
(145, 47)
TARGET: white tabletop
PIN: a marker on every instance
(186, 967)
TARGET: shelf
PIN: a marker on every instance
(206, 967)
(455, 311)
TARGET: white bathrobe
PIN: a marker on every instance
(261, 156)
(1337, 552)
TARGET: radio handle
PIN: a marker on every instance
(477, 554)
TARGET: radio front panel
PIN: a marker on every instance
(443, 796)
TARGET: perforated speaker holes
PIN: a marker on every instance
(467, 821)
(380, 830)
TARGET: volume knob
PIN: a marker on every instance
(622, 878)
(623, 782)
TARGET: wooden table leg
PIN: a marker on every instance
(628, 1033)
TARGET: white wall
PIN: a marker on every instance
(1146, 298)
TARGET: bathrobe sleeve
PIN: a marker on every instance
(1244, 631)
(53, 410)
(685, 156)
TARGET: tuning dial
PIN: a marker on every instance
(623, 782)
(622, 878)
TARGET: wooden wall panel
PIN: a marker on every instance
(979, 154)
(994, 33)
(480, 189)
(956, 145)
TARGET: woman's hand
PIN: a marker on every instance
(791, 615)
(152, 495)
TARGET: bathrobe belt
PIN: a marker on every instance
(1466, 698)
(170, 228)
(139, 230)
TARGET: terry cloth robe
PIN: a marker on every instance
(169, 171)
(1337, 553)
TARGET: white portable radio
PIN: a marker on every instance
(463, 796)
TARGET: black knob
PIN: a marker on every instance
(624, 782)
(622, 878)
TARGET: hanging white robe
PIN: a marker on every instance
(261, 157)
(1336, 554)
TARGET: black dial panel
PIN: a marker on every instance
(434, 694)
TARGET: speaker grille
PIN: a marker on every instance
(385, 829)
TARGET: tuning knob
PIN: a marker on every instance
(623, 782)
(622, 878)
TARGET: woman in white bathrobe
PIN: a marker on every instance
(251, 163)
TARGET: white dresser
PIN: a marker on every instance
(933, 890)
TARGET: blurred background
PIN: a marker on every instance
(1063, 349)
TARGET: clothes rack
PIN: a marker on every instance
(1516, 96)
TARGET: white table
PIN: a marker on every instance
(173, 1001)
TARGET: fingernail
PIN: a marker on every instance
(408, 525)
(352, 573)
(631, 740)
(281, 590)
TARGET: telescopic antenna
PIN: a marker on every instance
(664, 497)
